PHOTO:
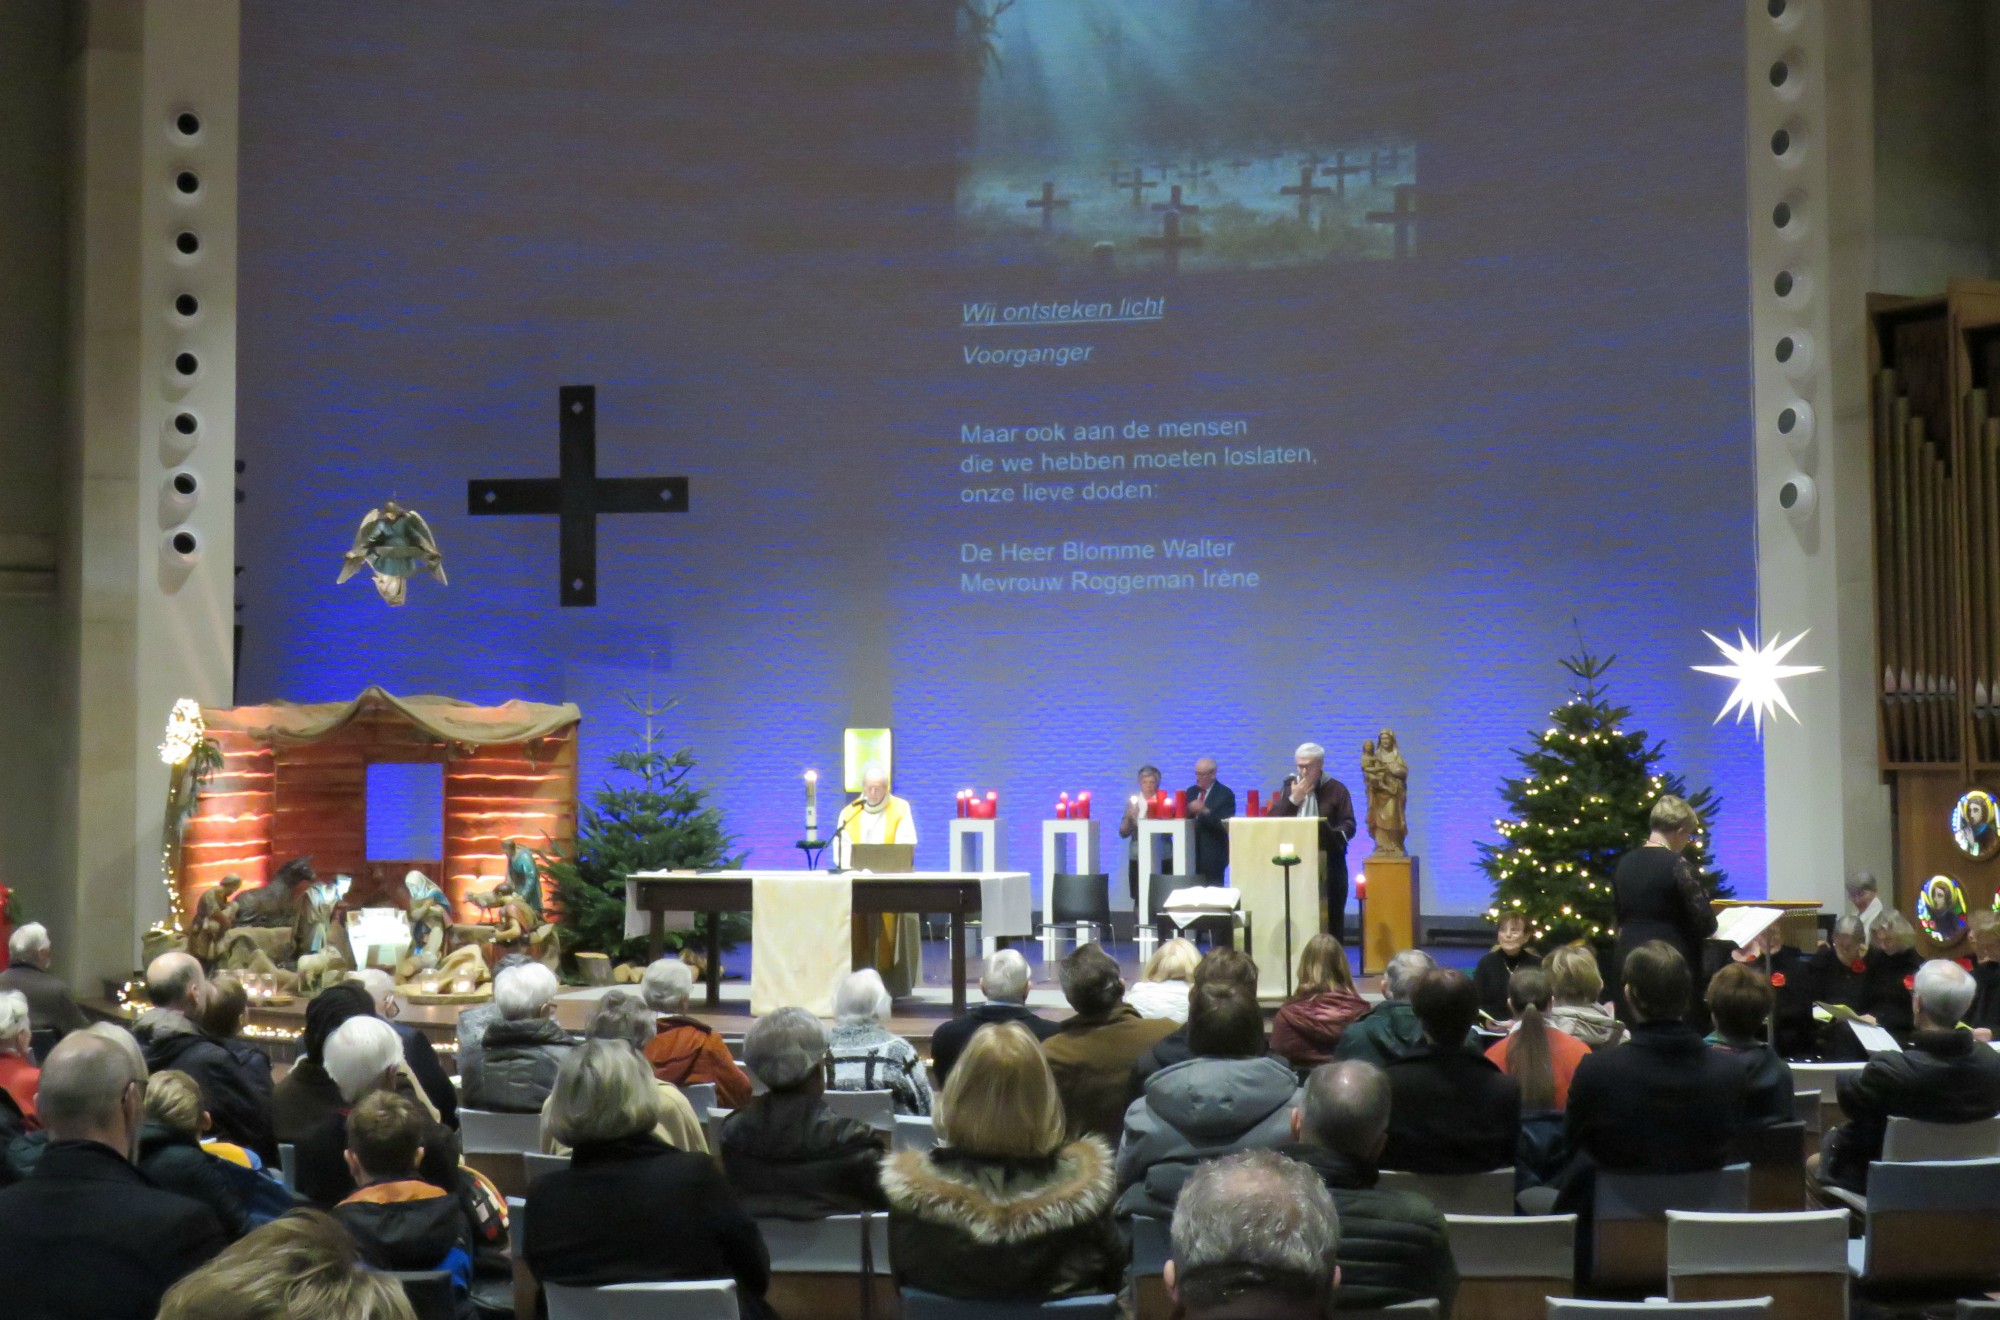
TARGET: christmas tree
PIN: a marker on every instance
(1584, 802)
(658, 823)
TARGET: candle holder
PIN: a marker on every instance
(1288, 861)
(812, 848)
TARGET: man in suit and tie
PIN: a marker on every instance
(1312, 792)
(1210, 805)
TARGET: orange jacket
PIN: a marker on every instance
(688, 1053)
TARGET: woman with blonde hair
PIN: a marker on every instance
(1655, 892)
(1003, 1208)
(1310, 1024)
(300, 1267)
(1162, 989)
(1575, 983)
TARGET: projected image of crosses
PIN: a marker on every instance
(1176, 137)
(576, 495)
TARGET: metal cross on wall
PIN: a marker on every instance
(577, 495)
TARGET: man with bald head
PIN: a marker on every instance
(235, 1087)
(86, 1235)
(1393, 1245)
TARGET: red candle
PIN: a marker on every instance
(1180, 804)
(1083, 800)
(1255, 808)
(992, 804)
(1361, 886)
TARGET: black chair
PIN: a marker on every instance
(429, 1292)
(1082, 903)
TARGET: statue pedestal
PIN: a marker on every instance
(1390, 912)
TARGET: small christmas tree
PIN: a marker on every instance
(1584, 803)
(657, 824)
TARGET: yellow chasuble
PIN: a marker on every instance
(893, 943)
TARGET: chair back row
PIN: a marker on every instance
(1931, 1223)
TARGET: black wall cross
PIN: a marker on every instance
(577, 495)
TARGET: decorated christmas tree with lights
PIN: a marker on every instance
(1589, 786)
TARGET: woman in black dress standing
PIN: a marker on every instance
(1656, 894)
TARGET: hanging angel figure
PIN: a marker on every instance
(395, 543)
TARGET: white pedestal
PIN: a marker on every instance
(1083, 837)
(975, 847)
(1178, 837)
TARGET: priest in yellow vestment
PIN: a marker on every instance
(891, 944)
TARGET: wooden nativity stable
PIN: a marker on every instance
(294, 782)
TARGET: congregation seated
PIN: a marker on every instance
(1230, 1096)
(1254, 1235)
(1006, 1206)
(685, 1051)
(1945, 1076)
(1662, 1102)
(522, 1051)
(398, 1220)
(1984, 1015)
(418, 1053)
(306, 1097)
(1389, 1030)
(235, 1082)
(1495, 969)
(364, 1054)
(1740, 1002)
(1393, 1244)
(622, 1015)
(171, 1155)
(787, 1155)
(1575, 983)
(1004, 983)
(1308, 1026)
(51, 1008)
(472, 1025)
(303, 1266)
(1163, 985)
(630, 1208)
(866, 1056)
(86, 1236)
(1093, 1053)
(1222, 963)
(1451, 1109)
(18, 1073)
(1541, 1060)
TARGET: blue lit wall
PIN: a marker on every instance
(755, 228)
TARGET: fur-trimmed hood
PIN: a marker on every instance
(1001, 1201)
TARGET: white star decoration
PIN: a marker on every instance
(1756, 671)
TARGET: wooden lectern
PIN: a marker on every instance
(1253, 842)
(1389, 916)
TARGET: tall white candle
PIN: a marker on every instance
(812, 804)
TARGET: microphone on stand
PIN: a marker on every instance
(847, 817)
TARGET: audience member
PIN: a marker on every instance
(1945, 1076)
(18, 1073)
(1390, 1030)
(622, 1015)
(1230, 1096)
(1663, 1102)
(1309, 1025)
(1984, 1016)
(1394, 1247)
(170, 1151)
(787, 1155)
(1163, 985)
(1740, 1001)
(684, 1050)
(1222, 963)
(418, 1053)
(630, 1208)
(305, 1098)
(866, 1056)
(524, 1048)
(397, 1219)
(50, 1007)
(1892, 975)
(300, 1267)
(1005, 984)
(364, 1054)
(1540, 1059)
(1509, 954)
(86, 1236)
(471, 1029)
(1093, 1054)
(1254, 1235)
(1452, 1110)
(235, 1088)
(1003, 1208)
(1575, 982)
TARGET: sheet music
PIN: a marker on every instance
(1740, 925)
(1874, 1039)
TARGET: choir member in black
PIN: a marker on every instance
(1656, 894)
(1794, 1031)
(1839, 975)
(1509, 954)
(1984, 1015)
(1892, 975)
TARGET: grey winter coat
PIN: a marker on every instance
(519, 1071)
(1196, 1111)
